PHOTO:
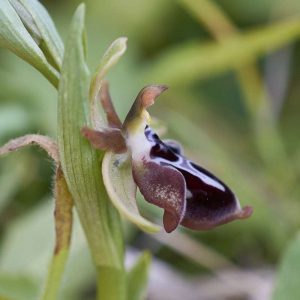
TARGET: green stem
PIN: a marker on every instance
(82, 167)
(55, 275)
(111, 283)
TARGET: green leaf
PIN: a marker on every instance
(37, 223)
(27, 21)
(15, 37)
(288, 277)
(189, 62)
(138, 278)
(51, 43)
(118, 180)
(17, 287)
(80, 162)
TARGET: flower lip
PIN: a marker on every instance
(189, 194)
(210, 202)
(162, 186)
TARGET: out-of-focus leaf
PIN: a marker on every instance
(13, 119)
(15, 37)
(118, 180)
(138, 278)
(63, 211)
(288, 277)
(195, 250)
(211, 16)
(27, 243)
(51, 43)
(80, 162)
(80, 270)
(11, 176)
(33, 233)
(159, 126)
(190, 62)
(32, 97)
(268, 140)
(207, 150)
(17, 287)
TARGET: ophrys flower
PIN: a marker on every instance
(189, 194)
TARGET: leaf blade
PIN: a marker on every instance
(53, 43)
(15, 37)
(287, 285)
(138, 277)
(195, 61)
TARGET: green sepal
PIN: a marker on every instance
(118, 180)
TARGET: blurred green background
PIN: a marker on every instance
(233, 70)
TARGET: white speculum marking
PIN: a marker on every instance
(206, 179)
(140, 147)
(180, 164)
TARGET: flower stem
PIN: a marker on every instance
(111, 283)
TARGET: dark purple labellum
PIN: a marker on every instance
(210, 202)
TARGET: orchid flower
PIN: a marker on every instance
(189, 194)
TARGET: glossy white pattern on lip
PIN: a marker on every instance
(208, 180)
(183, 164)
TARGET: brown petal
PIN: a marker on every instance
(163, 186)
(111, 115)
(106, 139)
